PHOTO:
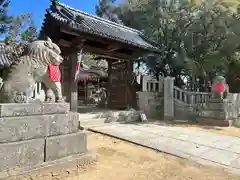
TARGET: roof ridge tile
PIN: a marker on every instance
(100, 19)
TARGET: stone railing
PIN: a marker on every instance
(190, 97)
(161, 98)
(151, 84)
(188, 103)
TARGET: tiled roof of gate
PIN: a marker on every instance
(84, 22)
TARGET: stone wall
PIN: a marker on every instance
(184, 111)
(162, 100)
(151, 103)
(156, 98)
(34, 135)
(235, 99)
(150, 99)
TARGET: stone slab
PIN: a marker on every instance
(236, 163)
(162, 143)
(220, 156)
(212, 122)
(216, 106)
(65, 145)
(218, 115)
(52, 167)
(218, 100)
(55, 108)
(40, 126)
(29, 109)
(225, 168)
(21, 154)
(167, 145)
(220, 106)
(234, 148)
(202, 147)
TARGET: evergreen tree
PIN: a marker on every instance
(22, 29)
(5, 20)
(19, 28)
(106, 10)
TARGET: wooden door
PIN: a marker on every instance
(122, 89)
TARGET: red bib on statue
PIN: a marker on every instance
(219, 88)
(54, 72)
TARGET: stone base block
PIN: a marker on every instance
(40, 126)
(237, 123)
(218, 100)
(207, 113)
(65, 145)
(218, 106)
(217, 114)
(21, 154)
(52, 167)
(234, 123)
(29, 109)
(213, 122)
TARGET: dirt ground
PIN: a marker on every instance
(120, 160)
(228, 131)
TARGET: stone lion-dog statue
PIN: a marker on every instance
(219, 88)
(29, 67)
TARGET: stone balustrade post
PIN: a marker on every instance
(146, 78)
(168, 98)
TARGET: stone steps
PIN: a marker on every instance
(218, 112)
(208, 121)
(214, 114)
(92, 122)
(86, 116)
(91, 119)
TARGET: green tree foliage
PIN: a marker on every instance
(106, 9)
(89, 60)
(22, 29)
(5, 20)
(19, 28)
(197, 39)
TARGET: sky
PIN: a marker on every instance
(38, 7)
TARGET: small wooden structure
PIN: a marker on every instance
(74, 30)
(89, 80)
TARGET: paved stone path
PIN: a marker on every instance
(202, 147)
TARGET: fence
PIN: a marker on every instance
(190, 97)
(169, 100)
(151, 84)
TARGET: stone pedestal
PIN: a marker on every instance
(217, 112)
(33, 136)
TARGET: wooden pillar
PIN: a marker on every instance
(73, 86)
(109, 83)
(132, 86)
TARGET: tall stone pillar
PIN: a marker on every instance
(168, 98)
